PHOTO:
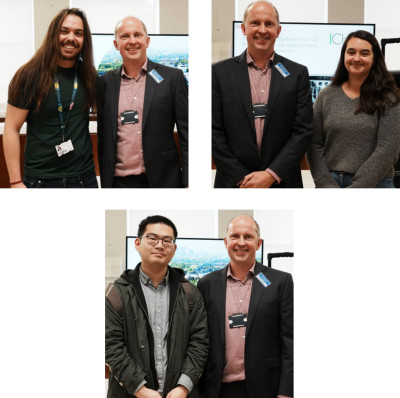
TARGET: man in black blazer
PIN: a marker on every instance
(139, 105)
(261, 110)
(250, 320)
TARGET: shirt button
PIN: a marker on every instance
(139, 132)
(244, 337)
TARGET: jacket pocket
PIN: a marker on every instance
(274, 362)
(169, 155)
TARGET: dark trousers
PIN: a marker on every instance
(236, 389)
(133, 181)
(85, 181)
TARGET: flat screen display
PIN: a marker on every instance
(169, 50)
(315, 45)
(196, 256)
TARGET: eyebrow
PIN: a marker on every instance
(75, 30)
(353, 49)
(158, 236)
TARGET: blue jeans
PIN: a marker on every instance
(86, 181)
(344, 180)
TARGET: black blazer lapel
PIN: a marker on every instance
(276, 81)
(256, 292)
(115, 86)
(220, 287)
(149, 92)
(243, 81)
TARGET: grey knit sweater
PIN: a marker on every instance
(358, 144)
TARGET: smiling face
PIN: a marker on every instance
(261, 29)
(358, 58)
(71, 40)
(131, 41)
(157, 256)
(242, 241)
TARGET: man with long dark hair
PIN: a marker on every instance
(53, 93)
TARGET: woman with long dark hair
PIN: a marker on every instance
(356, 139)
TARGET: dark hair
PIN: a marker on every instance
(156, 220)
(35, 79)
(379, 89)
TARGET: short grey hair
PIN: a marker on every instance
(246, 11)
(120, 22)
(240, 215)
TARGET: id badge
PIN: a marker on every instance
(237, 320)
(64, 148)
(129, 117)
(259, 110)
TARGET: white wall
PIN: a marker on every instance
(104, 14)
(290, 11)
(386, 14)
(16, 41)
(189, 223)
(277, 232)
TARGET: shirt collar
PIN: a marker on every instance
(249, 272)
(147, 281)
(143, 70)
(250, 61)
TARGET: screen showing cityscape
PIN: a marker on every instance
(196, 256)
(315, 45)
(169, 50)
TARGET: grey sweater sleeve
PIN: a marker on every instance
(315, 155)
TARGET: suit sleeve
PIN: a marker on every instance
(286, 332)
(232, 169)
(123, 367)
(289, 158)
(181, 118)
(197, 350)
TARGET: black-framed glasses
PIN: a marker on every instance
(153, 240)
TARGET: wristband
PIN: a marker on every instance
(15, 183)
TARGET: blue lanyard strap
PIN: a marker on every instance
(71, 105)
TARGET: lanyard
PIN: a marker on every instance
(71, 105)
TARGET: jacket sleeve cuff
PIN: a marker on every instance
(139, 387)
(185, 381)
(277, 178)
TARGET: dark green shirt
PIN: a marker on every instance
(44, 133)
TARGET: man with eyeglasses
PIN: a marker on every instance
(157, 345)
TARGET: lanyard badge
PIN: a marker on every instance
(65, 147)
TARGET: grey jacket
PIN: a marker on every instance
(130, 343)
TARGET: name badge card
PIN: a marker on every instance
(282, 70)
(64, 148)
(237, 320)
(259, 110)
(129, 117)
(263, 279)
(156, 76)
